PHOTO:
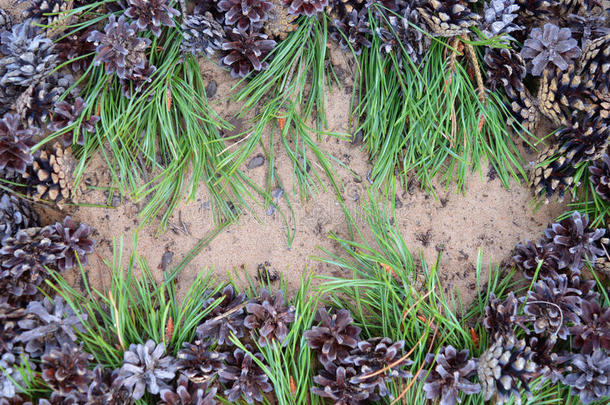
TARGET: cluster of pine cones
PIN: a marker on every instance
(561, 74)
(48, 330)
(354, 371)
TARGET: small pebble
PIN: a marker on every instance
(256, 161)
(210, 89)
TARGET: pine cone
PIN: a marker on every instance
(59, 399)
(73, 48)
(51, 325)
(245, 14)
(138, 81)
(106, 388)
(305, 7)
(119, 48)
(47, 11)
(530, 255)
(244, 377)
(37, 101)
(52, 177)
(224, 318)
(595, 63)
(448, 18)
(575, 241)
(499, 17)
(16, 400)
(502, 316)
(10, 315)
(75, 240)
(339, 9)
(151, 14)
(198, 362)
(201, 34)
(24, 257)
(29, 55)
(146, 367)
(599, 174)
(552, 175)
(334, 337)
(553, 45)
(505, 67)
(9, 363)
(269, 318)
(533, 11)
(590, 379)
(450, 375)
(188, 393)
(334, 383)
(593, 332)
(352, 32)
(15, 214)
(552, 305)
(67, 369)
(376, 354)
(246, 52)
(67, 114)
(6, 22)
(551, 365)
(15, 144)
(281, 21)
(505, 363)
(399, 33)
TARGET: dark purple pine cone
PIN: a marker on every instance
(67, 114)
(502, 316)
(75, 239)
(15, 144)
(244, 377)
(376, 354)
(119, 48)
(226, 318)
(77, 49)
(590, 376)
(245, 14)
(353, 32)
(305, 7)
(58, 399)
(334, 383)
(552, 305)
(24, 257)
(66, 370)
(593, 331)
(334, 337)
(552, 365)
(151, 14)
(505, 67)
(107, 388)
(530, 255)
(138, 81)
(450, 375)
(269, 317)
(575, 241)
(50, 325)
(246, 52)
(599, 173)
(198, 362)
(188, 393)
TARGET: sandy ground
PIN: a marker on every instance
(486, 217)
